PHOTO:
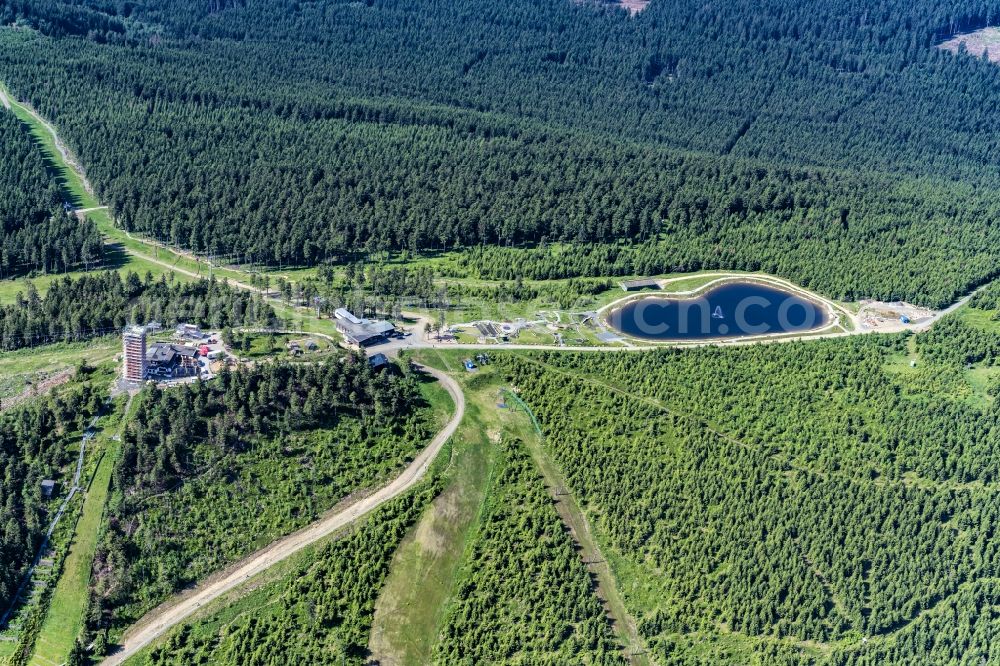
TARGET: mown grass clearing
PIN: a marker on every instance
(431, 561)
(64, 620)
(987, 320)
(256, 346)
(976, 43)
(60, 354)
(410, 608)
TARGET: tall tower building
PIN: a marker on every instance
(134, 357)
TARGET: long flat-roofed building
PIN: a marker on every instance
(134, 354)
(343, 314)
(362, 332)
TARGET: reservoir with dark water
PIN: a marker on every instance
(730, 310)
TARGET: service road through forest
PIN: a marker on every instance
(172, 613)
(190, 267)
(160, 620)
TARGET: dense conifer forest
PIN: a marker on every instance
(786, 501)
(35, 233)
(826, 141)
(37, 441)
(822, 503)
(103, 303)
(525, 596)
(286, 441)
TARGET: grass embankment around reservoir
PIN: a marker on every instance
(129, 252)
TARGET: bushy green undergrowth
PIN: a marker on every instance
(319, 612)
(212, 471)
(526, 596)
(789, 504)
(38, 440)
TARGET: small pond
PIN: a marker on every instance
(730, 310)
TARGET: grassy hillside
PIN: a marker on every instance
(795, 504)
(815, 503)
(525, 597)
(201, 482)
(315, 609)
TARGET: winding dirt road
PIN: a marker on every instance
(178, 609)
(165, 617)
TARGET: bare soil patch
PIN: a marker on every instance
(889, 317)
(976, 43)
(634, 6)
(39, 388)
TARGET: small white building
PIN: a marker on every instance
(189, 332)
